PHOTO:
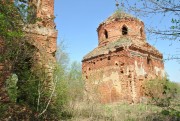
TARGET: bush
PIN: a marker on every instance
(11, 85)
(3, 109)
(75, 82)
(161, 91)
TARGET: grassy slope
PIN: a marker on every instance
(83, 111)
(119, 112)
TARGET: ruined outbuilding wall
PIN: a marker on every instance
(119, 75)
(43, 36)
(3, 74)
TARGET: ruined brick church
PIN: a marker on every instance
(117, 69)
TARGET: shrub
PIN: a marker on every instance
(161, 91)
(11, 85)
(75, 82)
(3, 109)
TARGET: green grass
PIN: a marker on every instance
(82, 111)
(85, 111)
(111, 112)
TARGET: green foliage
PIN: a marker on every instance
(16, 55)
(11, 84)
(27, 87)
(161, 91)
(28, 93)
(164, 93)
(68, 87)
(62, 97)
(60, 76)
(171, 112)
(62, 57)
(75, 82)
(175, 26)
(16, 49)
(11, 24)
(3, 109)
(27, 10)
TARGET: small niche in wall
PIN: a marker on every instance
(109, 58)
(141, 31)
(54, 53)
(86, 77)
(146, 76)
(124, 30)
(148, 59)
(106, 34)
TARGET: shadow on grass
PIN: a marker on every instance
(164, 115)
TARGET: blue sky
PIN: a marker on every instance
(78, 20)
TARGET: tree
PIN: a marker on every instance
(25, 85)
(163, 17)
(14, 43)
(15, 55)
(75, 82)
(163, 8)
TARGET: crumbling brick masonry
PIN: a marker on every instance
(117, 69)
(43, 37)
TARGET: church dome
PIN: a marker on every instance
(119, 15)
(121, 25)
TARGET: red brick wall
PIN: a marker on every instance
(119, 76)
(43, 36)
(114, 30)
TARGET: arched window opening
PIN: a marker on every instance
(106, 34)
(141, 31)
(124, 30)
(54, 53)
(109, 58)
(148, 59)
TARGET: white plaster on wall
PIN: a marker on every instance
(139, 70)
(159, 71)
(114, 77)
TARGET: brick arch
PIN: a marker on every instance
(141, 31)
(124, 30)
(106, 34)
